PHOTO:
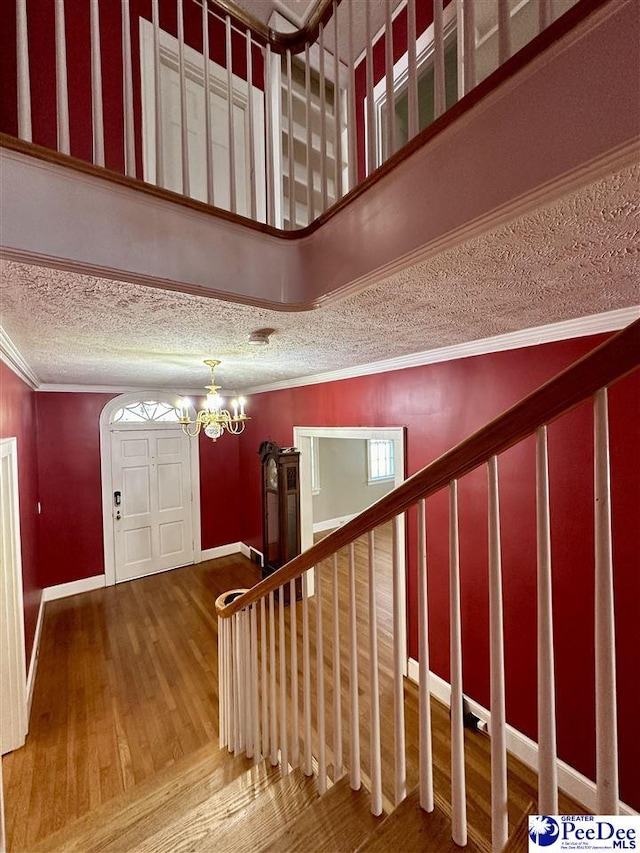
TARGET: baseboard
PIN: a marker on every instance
(570, 780)
(35, 656)
(220, 551)
(252, 553)
(332, 523)
(62, 590)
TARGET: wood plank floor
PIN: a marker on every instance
(127, 684)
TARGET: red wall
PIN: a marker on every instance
(41, 24)
(440, 405)
(70, 490)
(219, 491)
(71, 496)
(18, 420)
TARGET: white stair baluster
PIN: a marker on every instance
(399, 654)
(499, 795)
(352, 128)
(127, 94)
(320, 723)
(184, 130)
(230, 114)
(390, 135)
(247, 686)
(208, 127)
(282, 657)
(375, 769)
(323, 123)
(306, 676)
(255, 704)
(295, 722)
(337, 107)
(96, 86)
(439, 90)
(24, 78)
(354, 732)
(264, 679)
(62, 87)
(370, 115)
(291, 159)
(547, 760)
(605, 637)
(458, 792)
(157, 79)
(337, 685)
(273, 737)
(308, 119)
(413, 109)
(426, 748)
(251, 129)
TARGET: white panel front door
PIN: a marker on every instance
(153, 527)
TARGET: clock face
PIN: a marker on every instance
(272, 474)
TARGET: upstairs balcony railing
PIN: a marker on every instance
(198, 98)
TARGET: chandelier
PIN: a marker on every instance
(214, 419)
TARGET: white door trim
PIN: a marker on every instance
(16, 726)
(302, 440)
(106, 428)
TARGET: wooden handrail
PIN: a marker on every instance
(611, 361)
(280, 42)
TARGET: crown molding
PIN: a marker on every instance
(593, 324)
(15, 361)
(76, 388)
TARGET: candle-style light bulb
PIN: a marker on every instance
(234, 406)
(242, 402)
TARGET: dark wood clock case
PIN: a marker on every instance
(280, 508)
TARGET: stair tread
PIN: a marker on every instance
(236, 821)
(185, 783)
(416, 829)
(338, 821)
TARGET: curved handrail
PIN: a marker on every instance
(295, 40)
(608, 363)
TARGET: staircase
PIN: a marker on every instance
(213, 801)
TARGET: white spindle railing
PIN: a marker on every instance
(336, 137)
(241, 680)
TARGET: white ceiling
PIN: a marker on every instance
(570, 259)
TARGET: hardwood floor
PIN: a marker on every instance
(127, 685)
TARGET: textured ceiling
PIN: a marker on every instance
(576, 257)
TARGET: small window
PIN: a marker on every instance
(315, 465)
(380, 460)
(146, 411)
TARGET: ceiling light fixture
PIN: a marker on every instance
(214, 419)
(260, 337)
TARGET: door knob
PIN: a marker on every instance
(118, 516)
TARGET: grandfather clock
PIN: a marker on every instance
(280, 506)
